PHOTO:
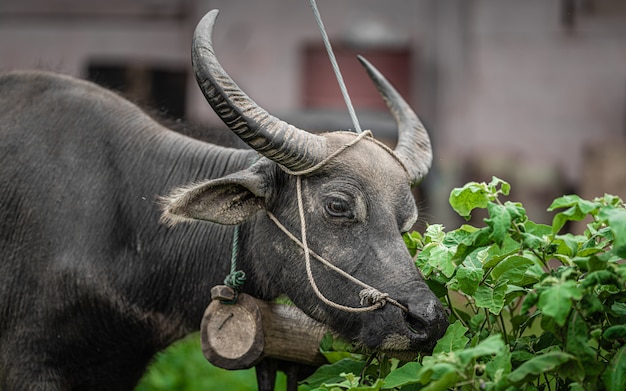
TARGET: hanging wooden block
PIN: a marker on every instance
(239, 335)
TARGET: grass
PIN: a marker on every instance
(182, 367)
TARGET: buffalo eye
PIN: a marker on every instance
(338, 207)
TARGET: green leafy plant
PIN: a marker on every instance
(532, 308)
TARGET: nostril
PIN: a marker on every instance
(415, 324)
(427, 319)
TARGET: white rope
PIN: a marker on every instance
(368, 294)
(333, 61)
(329, 157)
(307, 260)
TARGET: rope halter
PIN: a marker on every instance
(369, 296)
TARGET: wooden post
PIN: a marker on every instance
(239, 335)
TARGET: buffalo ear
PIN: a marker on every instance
(229, 200)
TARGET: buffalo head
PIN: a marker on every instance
(356, 207)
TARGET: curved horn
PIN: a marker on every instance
(413, 147)
(275, 139)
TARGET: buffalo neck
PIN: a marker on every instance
(181, 263)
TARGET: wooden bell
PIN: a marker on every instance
(239, 335)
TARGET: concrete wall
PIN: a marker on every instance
(532, 95)
(505, 88)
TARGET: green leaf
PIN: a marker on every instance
(589, 263)
(469, 197)
(454, 339)
(491, 298)
(406, 374)
(460, 234)
(577, 209)
(441, 259)
(538, 365)
(521, 356)
(577, 341)
(500, 365)
(529, 301)
(495, 253)
(326, 343)
(490, 346)
(435, 233)
(556, 301)
(437, 286)
(569, 244)
(513, 292)
(336, 349)
(333, 357)
(513, 269)
(536, 229)
(445, 382)
(331, 373)
(476, 240)
(590, 305)
(469, 277)
(436, 255)
(617, 222)
(535, 235)
(351, 382)
(567, 201)
(614, 378)
(571, 214)
(535, 272)
(615, 332)
(505, 188)
(433, 367)
(576, 387)
(516, 210)
(499, 221)
(413, 241)
(619, 309)
(476, 321)
(600, 277)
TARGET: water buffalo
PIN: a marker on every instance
(92, 284)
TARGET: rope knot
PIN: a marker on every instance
(235, 279)
(373, 296)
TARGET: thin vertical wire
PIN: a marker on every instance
(333, 61)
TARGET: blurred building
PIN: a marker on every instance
(530, 91)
